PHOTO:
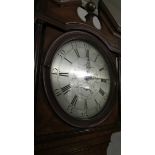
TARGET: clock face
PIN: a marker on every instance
(80, 79)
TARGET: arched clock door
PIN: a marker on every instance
(77, 77)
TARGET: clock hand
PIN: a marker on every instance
(87, 78)
(88, 60)
(87, 89)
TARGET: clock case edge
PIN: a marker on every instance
(70, 36)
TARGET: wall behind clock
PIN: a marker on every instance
(115, 144)
(114, 7)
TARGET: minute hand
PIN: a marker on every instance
(88, 60)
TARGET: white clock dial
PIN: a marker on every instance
(80, 79)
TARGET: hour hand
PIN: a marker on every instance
(87, 78)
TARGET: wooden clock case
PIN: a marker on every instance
(52, 134)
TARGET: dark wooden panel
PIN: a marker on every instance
(80, 144)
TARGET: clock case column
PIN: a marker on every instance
(53, 135)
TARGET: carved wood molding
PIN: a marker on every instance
(57, 19)
(112, 44)
(76, 132)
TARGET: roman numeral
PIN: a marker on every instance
(68, 60)
(96, 58)
(73, 103)
(54, 71)
(87, 54)
(64, 74)
(62, 53)
(66, 89)
(85, 46)
(57, 92)
(104, 80)
(74, 46)
(86, 108)
(74, 100)
(77, 53)
(101, 69)
(101, 92)
(98, 105)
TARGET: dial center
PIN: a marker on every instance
(83, 78)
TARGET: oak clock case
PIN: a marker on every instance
(79, 79)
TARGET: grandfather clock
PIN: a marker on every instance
(77, 77)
